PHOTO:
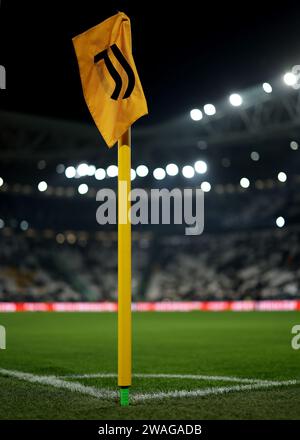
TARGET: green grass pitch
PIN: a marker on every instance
(246, 345)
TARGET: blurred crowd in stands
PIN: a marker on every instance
(263, 264)
(37, 269)
(257, 265)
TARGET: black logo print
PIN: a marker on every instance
(114, 73)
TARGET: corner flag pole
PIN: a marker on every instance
(104, 56)
(124, 267)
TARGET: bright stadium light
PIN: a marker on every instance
(24, 225)
(159, 173)
(82, 169)
(290, 79)
(200, 167)
(244, 182)
(294, 145)
(132, 174)
(70, 172)
(209, 109)
(188, 171)
(235, 99)
(254, 156)
(172, 169)
(83, 188)
(205, 186)
(71, 238)
(100, 174)
(142, 171)
(282, 176)
(267, 87)
(196, 114)
(112, 171)
(1, 181)
(280, 222)
(91, 170)
(42, 186)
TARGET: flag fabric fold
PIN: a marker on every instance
(110, 82)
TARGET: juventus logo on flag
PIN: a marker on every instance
(114, 73)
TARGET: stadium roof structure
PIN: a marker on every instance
(262, 117)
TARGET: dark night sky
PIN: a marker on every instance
(187, 53)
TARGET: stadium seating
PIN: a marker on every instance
(258, 265)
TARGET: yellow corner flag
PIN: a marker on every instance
(110, 82)
(115, 98)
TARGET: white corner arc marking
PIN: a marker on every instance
(105, 394)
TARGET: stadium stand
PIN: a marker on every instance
(35, 269)
(241, 265)
(257, 265)
(52, 248)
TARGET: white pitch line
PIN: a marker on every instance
(99, 393)
(209, 391)
(168, 376)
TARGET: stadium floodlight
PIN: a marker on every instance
(235, 99)
(296, 71)
(142, 171)
(71, 238)
(1, 181)
(172, 169)
(244, 182)
(112, 171)
(132, 174)
(205, 186)
(196, 114)
(82, 169)
(60, 238)
(70, 172)
(200, 167)
(2, 224)
(188, 171)
(91, 170)
(100, 174)
(42, 186)
(290, 79)
(294, 145)
(83, 188)
(267, 87)
(254, 156)
(159, 173)
(24, 225)
(282, 176)
(280, 222)
(60, 168)
(209, 109)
